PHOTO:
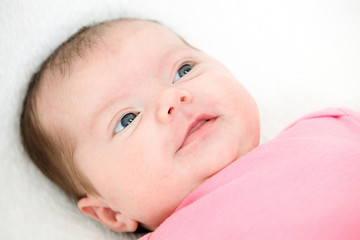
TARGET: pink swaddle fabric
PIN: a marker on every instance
(304, 184)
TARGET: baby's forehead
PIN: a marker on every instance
(104, 38)
(148, 32)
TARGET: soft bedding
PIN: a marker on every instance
(295, 57)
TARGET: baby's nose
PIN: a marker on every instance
(171, 100)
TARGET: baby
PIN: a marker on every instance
(144, 130)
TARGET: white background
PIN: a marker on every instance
(295, 57)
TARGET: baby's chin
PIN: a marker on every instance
(238, 153)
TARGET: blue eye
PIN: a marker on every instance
(185, 69)
(125, 121)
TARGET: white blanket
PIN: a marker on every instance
(294, 57)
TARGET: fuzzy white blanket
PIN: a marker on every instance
(294, 57)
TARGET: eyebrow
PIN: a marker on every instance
(100, 109)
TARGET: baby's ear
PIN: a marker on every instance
(96, 208)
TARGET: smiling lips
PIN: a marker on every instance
(197, 129)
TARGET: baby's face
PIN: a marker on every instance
(153, 118)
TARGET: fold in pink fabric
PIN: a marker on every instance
(304, 184)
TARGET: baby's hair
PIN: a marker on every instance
(52, 152)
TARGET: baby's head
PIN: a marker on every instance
(129, 119)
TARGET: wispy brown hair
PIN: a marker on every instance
(53, 152)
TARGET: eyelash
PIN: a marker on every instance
(185, 67)
(118, 123)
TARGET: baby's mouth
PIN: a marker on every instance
(197, 129)
(197, 125)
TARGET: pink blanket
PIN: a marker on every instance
(304, 184)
